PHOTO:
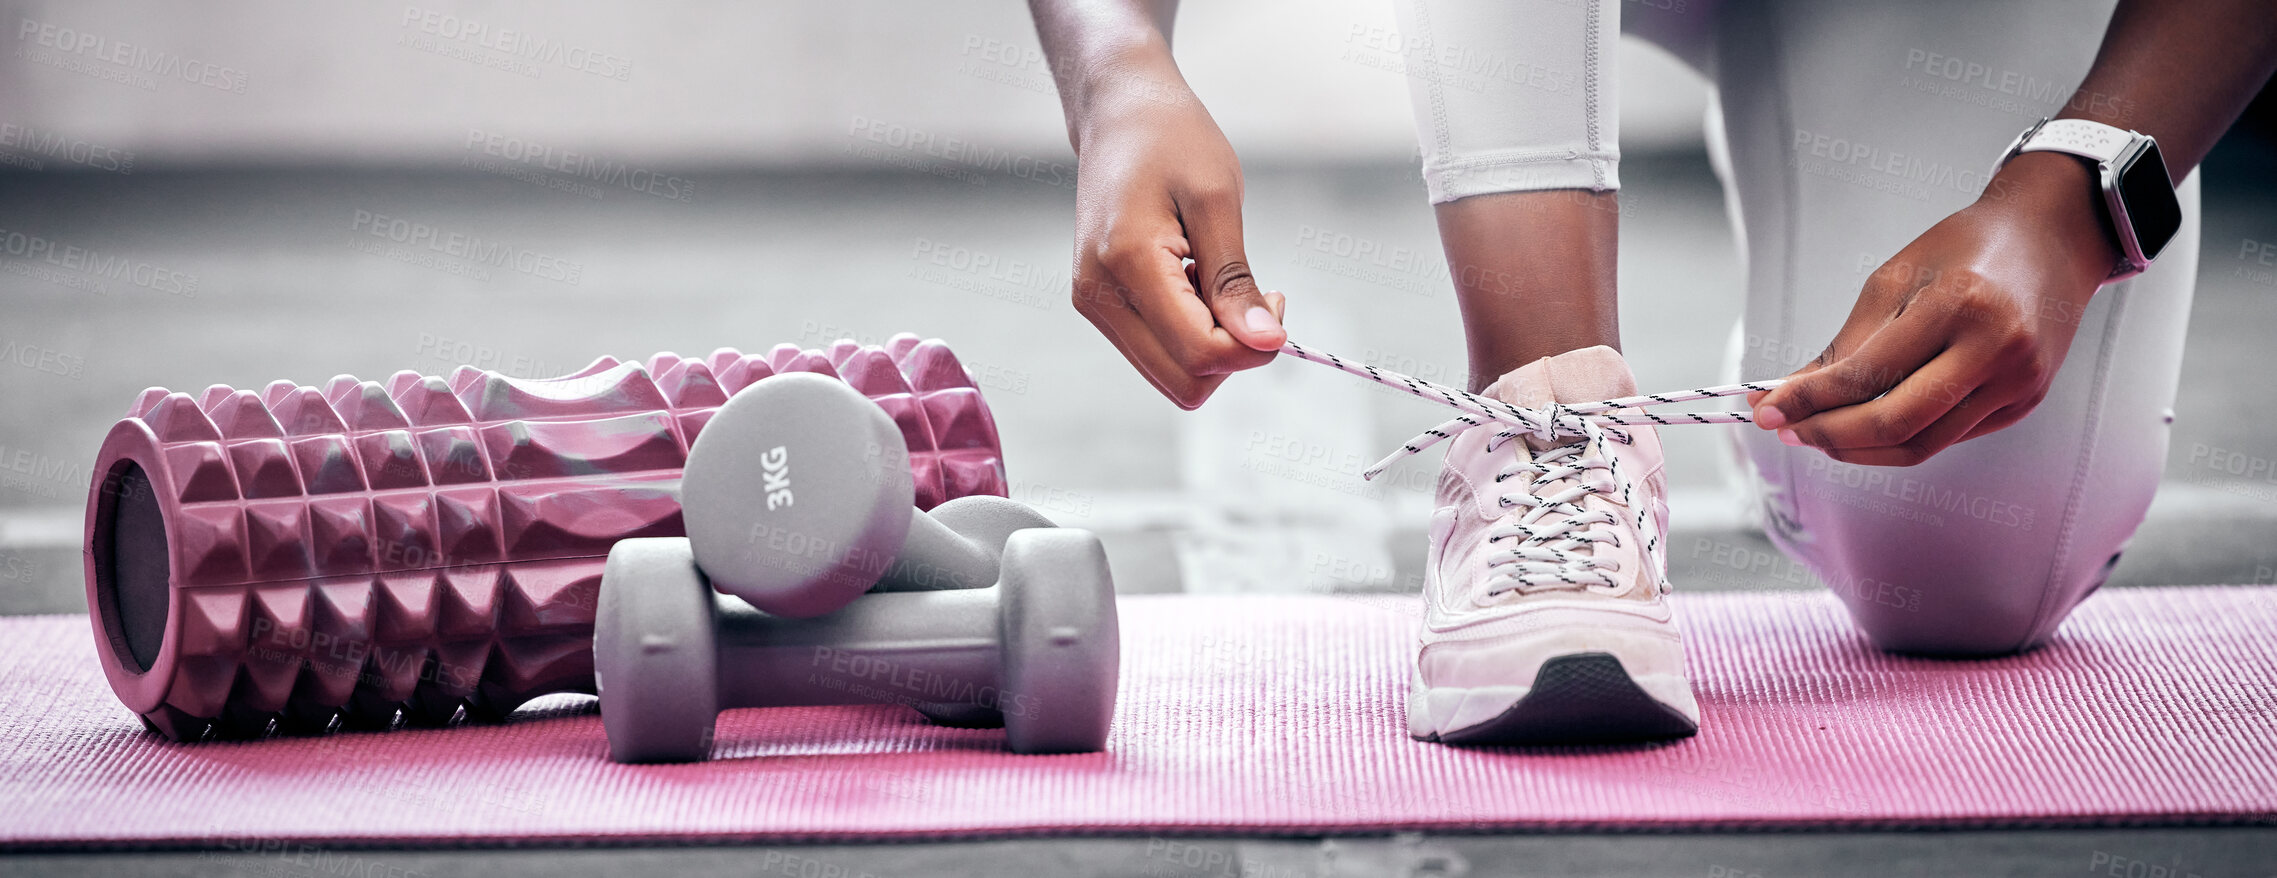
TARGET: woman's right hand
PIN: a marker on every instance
(1159, 267)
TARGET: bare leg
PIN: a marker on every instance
(1534, 274)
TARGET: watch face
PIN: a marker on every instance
(2149, 196)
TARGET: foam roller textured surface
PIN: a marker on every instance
(426, 543)
(1250, 715)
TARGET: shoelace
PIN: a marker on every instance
(1549, 549)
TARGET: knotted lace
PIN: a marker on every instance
(1553, 538)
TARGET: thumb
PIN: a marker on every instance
(1223, 279)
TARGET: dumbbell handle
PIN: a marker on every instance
(951, 560)
(909, 648)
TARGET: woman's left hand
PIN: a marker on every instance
(1960, 333)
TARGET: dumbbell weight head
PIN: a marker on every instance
(1061, 642)
(1041, 649)
(798, 499)
(654, 656)
(795, 501)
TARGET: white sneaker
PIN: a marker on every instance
(1545, 611)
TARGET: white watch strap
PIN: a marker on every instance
(2080, 137)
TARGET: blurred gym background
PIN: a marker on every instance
(235, 192)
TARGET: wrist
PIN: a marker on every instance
(1111, 85)
(2060, 196)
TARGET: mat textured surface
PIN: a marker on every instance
(1239, 715)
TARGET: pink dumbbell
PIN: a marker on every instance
(422, 544)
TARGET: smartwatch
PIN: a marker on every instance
(2138, 197)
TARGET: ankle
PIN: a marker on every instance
(1493, 358)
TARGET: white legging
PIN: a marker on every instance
(1847, 129)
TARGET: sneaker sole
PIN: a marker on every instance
(1582, 698)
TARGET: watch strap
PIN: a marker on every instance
(2080, 137)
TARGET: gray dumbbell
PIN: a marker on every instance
(797, 497)
(1040, 648)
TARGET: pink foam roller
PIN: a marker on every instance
(422, 544)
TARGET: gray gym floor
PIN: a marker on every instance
(2181, 853)
(287, 285)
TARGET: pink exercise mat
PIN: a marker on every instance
(1246, 715)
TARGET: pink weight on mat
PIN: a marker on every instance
(424, 543)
